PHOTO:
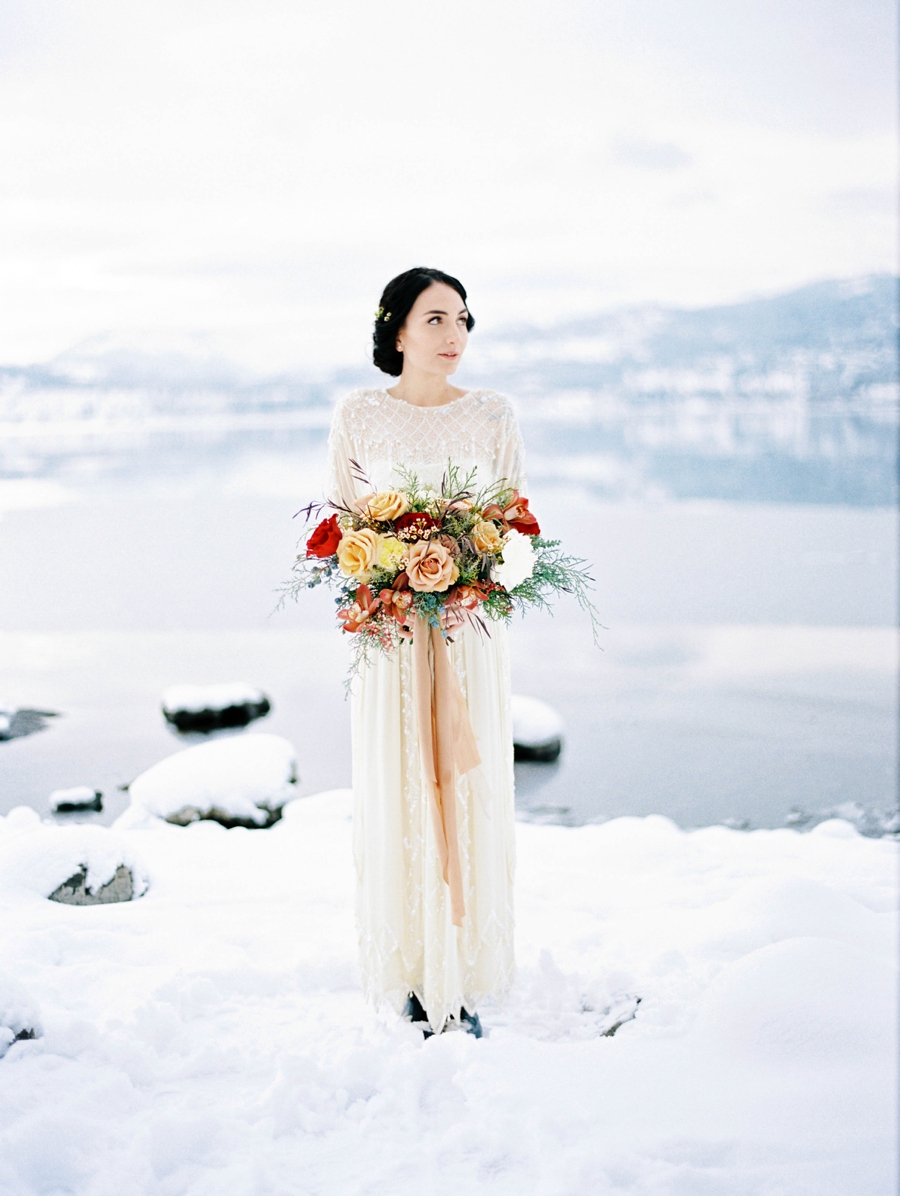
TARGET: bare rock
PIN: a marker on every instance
(75, 891)
(22, 721)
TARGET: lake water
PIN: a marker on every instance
(747, 672)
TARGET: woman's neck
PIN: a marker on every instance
(425, 390)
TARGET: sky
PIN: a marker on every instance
(249, 173)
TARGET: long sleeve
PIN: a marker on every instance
(341, 486)
(511, 456)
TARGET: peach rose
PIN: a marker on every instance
(358, 553)
(430, 566)
(383, 506)
(486, 537)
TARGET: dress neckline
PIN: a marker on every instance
(425, 408)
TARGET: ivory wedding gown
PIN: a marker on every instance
(407, 940)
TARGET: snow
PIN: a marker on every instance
(211, 1037)
(534, 722)
(19, 1014)
(36, 858)
(244, 777)
(210, 698)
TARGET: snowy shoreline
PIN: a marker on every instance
(211, 1036)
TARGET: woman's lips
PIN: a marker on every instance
(449, 355)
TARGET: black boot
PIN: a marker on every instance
(471, 1023)
(415, 1013)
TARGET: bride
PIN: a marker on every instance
(416, 951)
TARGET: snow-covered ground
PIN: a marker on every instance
(211, 1037)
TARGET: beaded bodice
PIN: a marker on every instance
(381, 433)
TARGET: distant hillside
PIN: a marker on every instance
(794, 397)
(789, 398)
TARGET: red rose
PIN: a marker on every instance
(414, 526)
(325, 539)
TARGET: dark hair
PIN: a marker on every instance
(396, 301)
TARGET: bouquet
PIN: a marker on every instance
(449, 556)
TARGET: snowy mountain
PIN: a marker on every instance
(790, 398)
(787, 398)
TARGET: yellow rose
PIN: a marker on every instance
(486, 537)
(390, 553)
(358, 553)
(384, 505)
(430, 566)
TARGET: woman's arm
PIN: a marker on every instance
(340, 484)
(511, 463)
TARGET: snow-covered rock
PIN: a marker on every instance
(19, 1015)
(205, 708)
(76, 798)
(18, 819)
(80, 865)
(238, 781)
(537, 729)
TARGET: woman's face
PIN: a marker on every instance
(435, 334)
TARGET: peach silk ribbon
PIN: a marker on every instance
(447, 746)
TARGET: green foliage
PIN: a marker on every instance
(555, 572)
(458, 505)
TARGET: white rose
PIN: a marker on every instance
(518, 560)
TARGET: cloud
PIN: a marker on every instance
(864, 201)
(649, 155)
(260, 170)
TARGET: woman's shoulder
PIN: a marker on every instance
(360, 397)
(491, 399)
(494, 405)
(355, 403)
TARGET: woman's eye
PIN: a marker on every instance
(435, 320)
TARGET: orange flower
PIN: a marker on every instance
(398, 600)
(362, 609)
(519, 517)
(470, 594)
(514, 515)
